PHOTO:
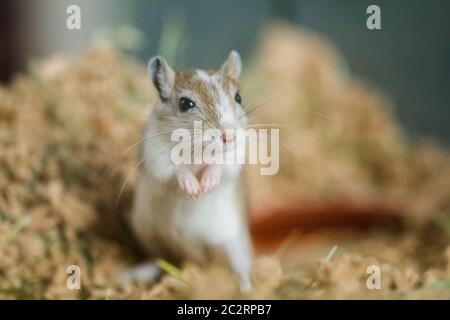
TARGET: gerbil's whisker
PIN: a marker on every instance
(283, 144)
(319, 114)
(122, 188)
(129, 175)
(205, 118)
(289, 148)
(128, 150)
(197, 146)
(126, 179)
(293, 128)
(252, 109)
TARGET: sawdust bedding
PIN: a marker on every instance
(68, 119)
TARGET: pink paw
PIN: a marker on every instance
(210, 178)
(188, 183)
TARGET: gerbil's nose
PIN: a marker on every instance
(228, 135)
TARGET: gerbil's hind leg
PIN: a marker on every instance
(147, 271)
(239, 258)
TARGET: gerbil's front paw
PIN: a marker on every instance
(210, 178)
(188, 183)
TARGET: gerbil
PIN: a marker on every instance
(189, 211)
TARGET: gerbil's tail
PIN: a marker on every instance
(272, 225)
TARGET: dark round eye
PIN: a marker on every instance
(237, 98)
(186, 104)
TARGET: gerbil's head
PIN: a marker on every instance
(210, 96)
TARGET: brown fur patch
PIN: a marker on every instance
(228, 84)
(205, 90)
(208, 92)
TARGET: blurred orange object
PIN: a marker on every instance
(271, 227)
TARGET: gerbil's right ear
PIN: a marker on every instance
(232, 66)
(162, 75)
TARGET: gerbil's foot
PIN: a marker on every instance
(188, 183)
(245, 285)
(148, 272)
(210, 178)
(237, 251)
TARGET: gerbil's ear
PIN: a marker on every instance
(162, 75)
(232, 66)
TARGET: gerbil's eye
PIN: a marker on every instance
(237, 98)
(186, 104)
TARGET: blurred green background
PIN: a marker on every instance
(408, 59)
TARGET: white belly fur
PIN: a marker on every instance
(165, 218)
(213, 219)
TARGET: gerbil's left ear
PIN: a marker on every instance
(232, 66)
(162, 75)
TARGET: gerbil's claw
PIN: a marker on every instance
(188, 183)
(210, 178)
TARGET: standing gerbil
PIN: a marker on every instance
(188, 211)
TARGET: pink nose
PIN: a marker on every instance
(228, 136)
